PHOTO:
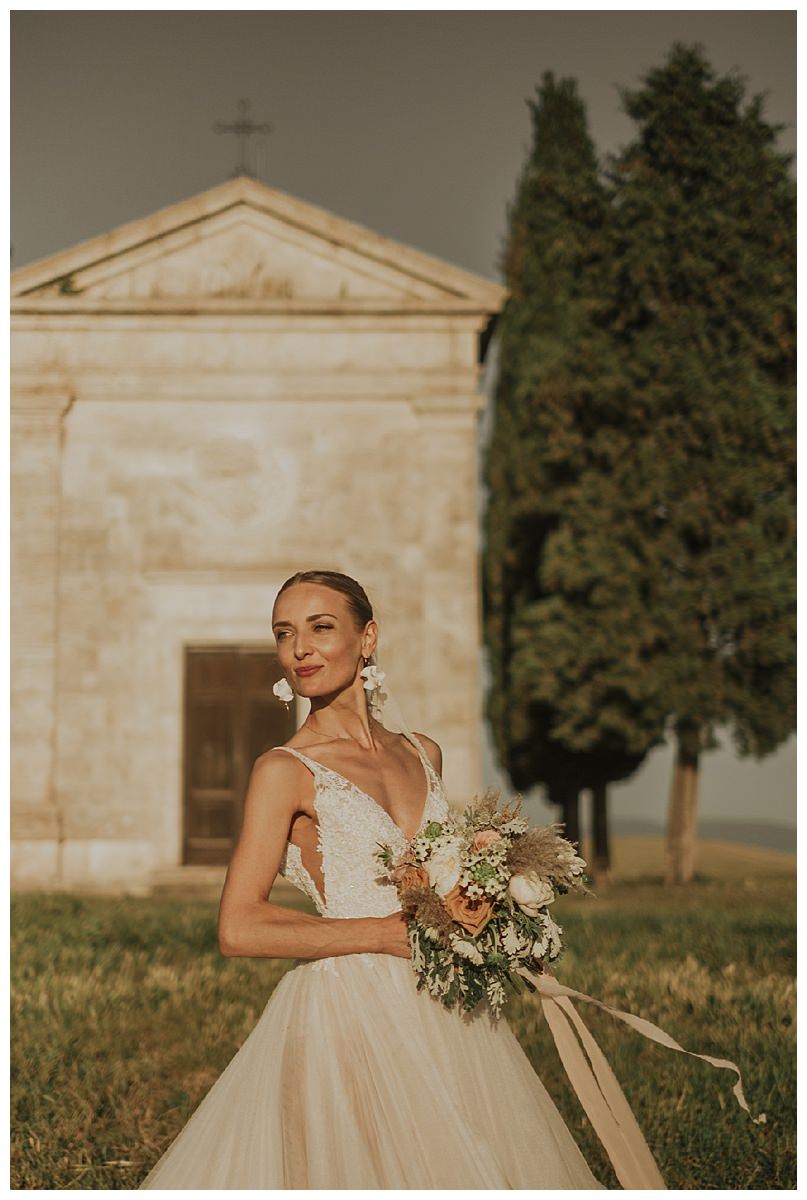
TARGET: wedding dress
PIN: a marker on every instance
(352, 1078)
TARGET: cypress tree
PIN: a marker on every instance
(570, 704)
(703, 308)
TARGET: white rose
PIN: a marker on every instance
(443, 866)
(530, 893)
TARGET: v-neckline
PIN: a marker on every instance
(372, 799)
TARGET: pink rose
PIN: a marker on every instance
(484, 838)
(407, 875)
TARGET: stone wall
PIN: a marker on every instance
(170, 470)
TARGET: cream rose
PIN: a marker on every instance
(444, 866)
(530, 892)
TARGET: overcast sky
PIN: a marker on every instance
(414, 124)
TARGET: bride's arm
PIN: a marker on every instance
(249, 924)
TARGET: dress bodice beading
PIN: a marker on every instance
(350, 826)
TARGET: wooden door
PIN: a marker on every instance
(231, 716)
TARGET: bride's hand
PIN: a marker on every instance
(393, 937)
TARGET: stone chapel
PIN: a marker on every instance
(237, 387)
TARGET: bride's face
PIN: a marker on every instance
(319, 645)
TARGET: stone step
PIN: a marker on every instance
(206, 882)
(184, 879)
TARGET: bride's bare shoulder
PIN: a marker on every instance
(433, 751)
(280, 770)
(279, 786)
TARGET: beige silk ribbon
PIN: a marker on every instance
(598, 1088)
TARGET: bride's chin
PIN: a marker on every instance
(326, 695)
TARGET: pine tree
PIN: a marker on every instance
(703, 307)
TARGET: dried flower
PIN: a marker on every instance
(426, 907)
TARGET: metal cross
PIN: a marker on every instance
(245, 128)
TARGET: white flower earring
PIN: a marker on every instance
(373, 679)
(283, 692)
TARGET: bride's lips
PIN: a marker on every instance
(306, 670)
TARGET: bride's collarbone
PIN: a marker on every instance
(387, 780)
(393, 774)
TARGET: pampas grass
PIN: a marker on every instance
(546, 852)
(428, 910)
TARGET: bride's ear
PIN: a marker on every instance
(369, 639)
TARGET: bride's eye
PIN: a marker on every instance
(323, 627)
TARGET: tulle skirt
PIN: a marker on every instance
(352, 1078)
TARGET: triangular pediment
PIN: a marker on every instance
(244, 241)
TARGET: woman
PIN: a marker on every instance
(351, 1077)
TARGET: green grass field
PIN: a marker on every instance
(124, 1014)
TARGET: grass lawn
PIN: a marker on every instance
(124, 1014)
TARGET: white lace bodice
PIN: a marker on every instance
(350, 826)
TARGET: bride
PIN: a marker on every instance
(352, 1078)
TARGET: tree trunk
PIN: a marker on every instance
(682, 819)
(601, 849)
(571, 816)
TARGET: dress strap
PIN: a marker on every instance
(424, 758)
(416, 742)
(311, 763)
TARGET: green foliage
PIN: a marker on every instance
(639, 564)
(384, 854)
(559, 674)
(703, 304)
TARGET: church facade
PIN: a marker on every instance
(240, 386)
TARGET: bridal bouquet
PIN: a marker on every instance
(477, 888)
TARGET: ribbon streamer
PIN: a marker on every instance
(597, 1087)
